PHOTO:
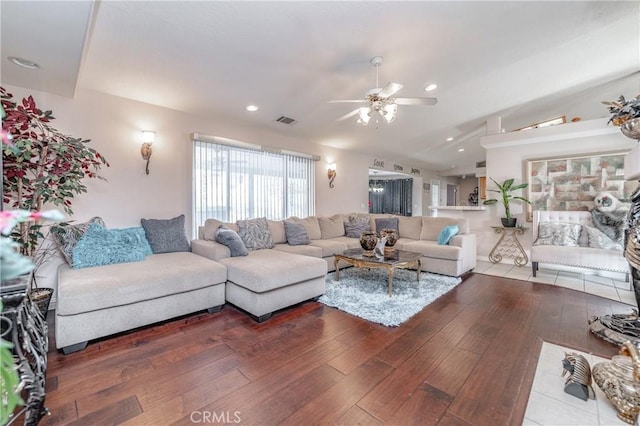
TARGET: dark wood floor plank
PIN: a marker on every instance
(426, 406)
(336, 401)
(356, 416)
(467, 358)
(115, 414)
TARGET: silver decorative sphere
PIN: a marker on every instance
(631, 128)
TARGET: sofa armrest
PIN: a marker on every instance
(467, 243)
(210, 249)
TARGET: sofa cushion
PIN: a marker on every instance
(296, 233)
(159, 275)
(305, 250)
(255, 233)
(231, 239)
(211, 227)
(386, 223)
(101, 246)
(66, 236)
(433, 250)
(350, 242)
(431, 226)
(356, 225)
(447, 233)
(558, 234)
(331, 227)
(410, 226)
(329, 247)
(311, 225)
(278, 234)
(166, 235)
(265, 270)
(598, 239)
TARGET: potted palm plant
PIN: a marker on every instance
(40, 167)
(506, 189)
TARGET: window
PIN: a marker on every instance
(232, 183)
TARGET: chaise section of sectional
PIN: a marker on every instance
(103, 300)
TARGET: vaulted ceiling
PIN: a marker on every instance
(523, 61)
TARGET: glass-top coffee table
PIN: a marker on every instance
(391, 261)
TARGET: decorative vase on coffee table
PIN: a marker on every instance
(368, 241)
(392, 239)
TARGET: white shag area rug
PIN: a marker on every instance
(364, 293)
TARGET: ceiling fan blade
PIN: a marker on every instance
(349, 115)
(389, 89)
(416, 101)
(348, 101)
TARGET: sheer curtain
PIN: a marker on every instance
(232, 183)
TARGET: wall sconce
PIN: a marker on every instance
(148, 138)
(331, 174)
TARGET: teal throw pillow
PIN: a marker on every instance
(101, 246)
(446, 234)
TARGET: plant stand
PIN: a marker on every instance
(24, 326)
(508, 246)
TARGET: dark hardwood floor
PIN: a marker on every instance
(467, 359)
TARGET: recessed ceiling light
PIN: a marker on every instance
(450, 138)
(453, 166)
(252, 108)
(24, 63)
(461, 150)
(430, 87)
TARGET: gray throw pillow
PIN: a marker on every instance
(598, 239)
(255, 233)
(356, 226)
(296, 233)
(166, 235)
(66, 236)
(231, 239)
(386, 223)
(558, 234)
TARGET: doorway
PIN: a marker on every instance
(452, 195)
(390, 193)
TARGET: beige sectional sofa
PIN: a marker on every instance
(270, 279)
(103, 300)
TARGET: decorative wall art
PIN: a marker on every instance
(571, 183)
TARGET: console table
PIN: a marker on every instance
(508, 246)
(22, 324)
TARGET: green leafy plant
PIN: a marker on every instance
(41, 165)
(505, 189)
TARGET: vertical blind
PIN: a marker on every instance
(232, 183)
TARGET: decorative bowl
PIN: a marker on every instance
(368, 241)
(392, 237)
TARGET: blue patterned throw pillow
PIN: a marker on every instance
(100, 246)
(446, 234)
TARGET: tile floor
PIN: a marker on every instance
(550, 405)
(611, 288)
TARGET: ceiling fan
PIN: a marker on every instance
(379, 102)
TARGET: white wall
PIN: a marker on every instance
(114, 126)
(507, 154)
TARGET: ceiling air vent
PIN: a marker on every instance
(481, 163)
(285, 120)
